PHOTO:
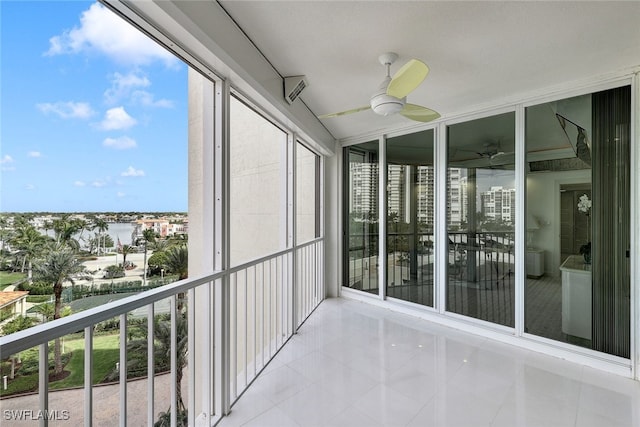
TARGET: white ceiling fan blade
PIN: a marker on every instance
(407, 78)
(418, 113)
(342, 113)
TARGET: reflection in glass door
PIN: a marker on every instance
(578, 216)
(410, 207)
(360, 265)
(481, 213)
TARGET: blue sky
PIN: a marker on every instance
(93, 113)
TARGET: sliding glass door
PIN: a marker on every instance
(410, 207)
(481, 216)
(578, 191)
(360, 267)
(575, 283)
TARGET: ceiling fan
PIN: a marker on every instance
(391, 96)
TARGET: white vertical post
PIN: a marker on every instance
(88, 376)
(173, 386)
(43, 381)
(220, 317)
(382, 217)
(151, 365)
(291, 227)
(521, 209)
(123, 370)
(441, 249)
(634, 227)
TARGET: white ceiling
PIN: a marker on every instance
(479, 53)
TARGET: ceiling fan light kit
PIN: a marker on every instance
(391, 96)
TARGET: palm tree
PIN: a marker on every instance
(147, 236)
(102, 227)
(162, 357)
(178, 261)
(58, 267)
(31, 243)
(126, 249)
(65, 228)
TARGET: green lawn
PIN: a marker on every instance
(106, 353)
(7, 278)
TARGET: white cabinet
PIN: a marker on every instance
(535, 262)
(576, 297)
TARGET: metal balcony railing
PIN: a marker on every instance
(262, 302)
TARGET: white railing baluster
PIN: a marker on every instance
(191, 357)
(245, 367)
(174, 362)
(263, 346)
(43, 381)
(270, 311)
(123, 370)
(255, 322)
(88, 376)
(234, 335)
(151, 375)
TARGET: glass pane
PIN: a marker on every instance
(481, 217)
(307, 194)
(410, 199)
(577, 288)
(361, 212)
(258, 185)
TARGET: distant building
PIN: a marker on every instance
(499, 204)
(163, 227)
(13, 303)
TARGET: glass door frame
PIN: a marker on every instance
(517, 334)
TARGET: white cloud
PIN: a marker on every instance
(116, 119)
(79, 184)
(122, 143)
(122, 85)
(102, 31)
(67, 110)
(131, 171)
(147, 99)
(29, 187)
(98, 184)
(34, 154)
(120, 194)
(6, 159)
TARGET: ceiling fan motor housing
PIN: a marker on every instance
(384, 104)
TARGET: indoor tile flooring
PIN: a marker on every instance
(353, 364)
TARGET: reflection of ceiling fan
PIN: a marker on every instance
(491, 156)
(491, 152)
(391, 95)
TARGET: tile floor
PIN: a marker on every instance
(352, 364)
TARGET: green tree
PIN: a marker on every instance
(148, 236)
(65, 228)
(46, 310)
(102, 226)
(162, 355)
(58, 267)
(178, 261)
(157, 262)
(31, 244)
(17, 324)
(126, 250)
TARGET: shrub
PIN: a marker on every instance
(113, 272)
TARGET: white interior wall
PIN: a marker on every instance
(543, 203)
